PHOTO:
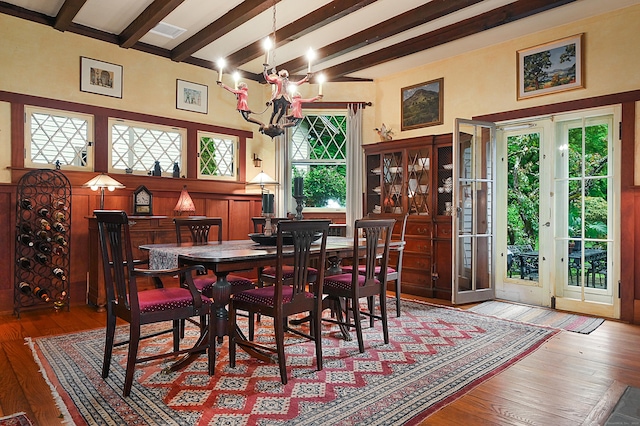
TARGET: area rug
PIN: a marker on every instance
(17, 419)
(539, 316)
(627, 410)
(435, 356)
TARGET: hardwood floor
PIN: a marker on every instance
(573, 379)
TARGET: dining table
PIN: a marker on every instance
(225, 257)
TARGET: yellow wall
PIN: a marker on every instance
(42, 61)
(484, 81)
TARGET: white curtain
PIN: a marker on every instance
(355, 166)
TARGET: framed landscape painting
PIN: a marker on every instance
(100, 77)
(422, 104)
(551, 67)
(192, 96)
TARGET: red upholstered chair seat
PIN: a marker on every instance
(287, 272)
(266, 295)
(164, 299)
(362, 268)
(342, 281)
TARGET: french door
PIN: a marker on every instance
(558, 210)
(473, 194)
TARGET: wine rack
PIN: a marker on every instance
(43, 241)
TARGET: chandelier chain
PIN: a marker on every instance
(273, 33)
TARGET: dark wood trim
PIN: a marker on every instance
(333, 105)
(237, 16)
(100, 143)
(67, 12)
(17, 132)
(403, 22)
(629, 286)
(593, 102)
(117, 113)
(149, 18)
(477, 24)
(318, 18)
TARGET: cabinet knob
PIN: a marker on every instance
(132, 222)
(422, 230)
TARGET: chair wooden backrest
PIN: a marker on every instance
(258, 223)
(199, 228)
(303, 234)
(375, 251)
(115, 244)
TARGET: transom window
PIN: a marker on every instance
(135, 147)
(319, 154)
(58, 138)
(217, 156)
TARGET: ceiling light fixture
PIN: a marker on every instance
(284, 92)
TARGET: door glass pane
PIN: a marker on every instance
(418, 191)
(523, 204)
(392, 179)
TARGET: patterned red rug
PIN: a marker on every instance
(17, 419)
(435, 356)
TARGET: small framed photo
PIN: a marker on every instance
(422, 104)
(192, 96)
(551, 67)
(100, 77)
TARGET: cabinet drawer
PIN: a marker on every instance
(417, 277)
(416, 261)
(417, 245)
(136, 225)
(443, 230)
(419, 228)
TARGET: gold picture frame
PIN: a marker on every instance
(422, 104)
(552, 67)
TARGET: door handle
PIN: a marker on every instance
(547, 224)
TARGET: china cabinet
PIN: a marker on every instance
(415, 176)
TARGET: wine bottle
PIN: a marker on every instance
(59, 227)
(44, 212)
(25, 263)
(58, 250)
(25, 228)
(44, 224)
(42, 293)
(25, 287)
(42, 258)
(44, 235)
(60, 240)
(59, 273)
(59, 216)
(25, 203)
(25, 239)
(43, 247)
(60, 205)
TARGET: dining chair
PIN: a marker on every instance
(139, 307)
(371, 241)
(394, 271)
(287, 296)
(199, 230)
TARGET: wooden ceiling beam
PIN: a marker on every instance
(237, 16)
(308, 23)
(67, 12)
(147, 20)
(494, 18)
(403, 22)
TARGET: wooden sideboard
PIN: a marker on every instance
(144, 230)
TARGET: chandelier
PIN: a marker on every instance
(286, 102)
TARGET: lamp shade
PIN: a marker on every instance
(185, 203)
(103, 181)
(262, 179)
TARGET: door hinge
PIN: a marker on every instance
(619, 289)
(620, 130)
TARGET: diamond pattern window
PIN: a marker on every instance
(58, 138)
(136, 147)
(217, 156)
(319, 154)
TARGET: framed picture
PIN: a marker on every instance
(192, 96)
(551, 67)
(100, 77)
(422, 104)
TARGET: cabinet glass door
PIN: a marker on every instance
(473, 194)
(392, 188)
(418, 179)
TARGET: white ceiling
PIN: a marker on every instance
(114, 16)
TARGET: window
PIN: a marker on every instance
(58, 138)
(217, 156)
(135, 147)
(319, 154)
